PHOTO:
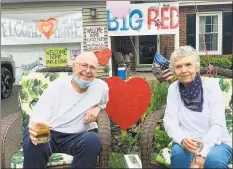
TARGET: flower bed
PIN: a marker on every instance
(130, 144)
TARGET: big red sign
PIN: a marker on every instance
(146, 19)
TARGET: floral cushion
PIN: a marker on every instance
(56, 159)
(163, 157)
(33, 85)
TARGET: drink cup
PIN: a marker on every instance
(43, 132)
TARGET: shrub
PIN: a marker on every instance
(159, 96)
(222, 62)
(116, 160)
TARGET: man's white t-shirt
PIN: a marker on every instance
(64, 108)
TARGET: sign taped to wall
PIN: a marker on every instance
(41, 27)
(56, 57)
(146, 19)
(95, 38)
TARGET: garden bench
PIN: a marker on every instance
(154, 120)
(13, 126)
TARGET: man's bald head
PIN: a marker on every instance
(87, 57)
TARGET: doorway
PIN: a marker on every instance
(146, 47)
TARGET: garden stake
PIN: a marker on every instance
(123, 132)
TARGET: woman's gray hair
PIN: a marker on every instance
(184, 51)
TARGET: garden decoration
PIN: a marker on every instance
(160, 67)
(127, 100)
(118, 9)
(103, 56)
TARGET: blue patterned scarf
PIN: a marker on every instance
(192, 96)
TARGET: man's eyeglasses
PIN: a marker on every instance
(84, 66)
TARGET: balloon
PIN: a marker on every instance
(118, 9)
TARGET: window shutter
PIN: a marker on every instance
(191, 30)
(227, 33)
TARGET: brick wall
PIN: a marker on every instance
(168, 40)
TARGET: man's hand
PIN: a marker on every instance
(92, 114)
(199, 161)
(190, 145)
(33, 133)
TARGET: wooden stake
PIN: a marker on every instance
(123, 132)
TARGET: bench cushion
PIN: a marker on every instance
(56, 159)
(163, 157)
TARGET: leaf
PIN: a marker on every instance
(44, 86)
(40, 91)
(224, 85)
(53, 77)
(31, 93)
(231, 103)
(48, 74)
(70, 73)
(36, 82)
(24, 95)
(33, 102)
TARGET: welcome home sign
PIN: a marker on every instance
(41, 27)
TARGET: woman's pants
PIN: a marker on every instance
(218, 157)
(84, 148)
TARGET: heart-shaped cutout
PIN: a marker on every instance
(47, 27)
(127, 100)
(103, 56)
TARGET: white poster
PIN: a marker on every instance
(95, 38)
(41, 27)
(146, 19)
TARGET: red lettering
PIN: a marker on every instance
(163, 18)
(149, 20)
(172, 25)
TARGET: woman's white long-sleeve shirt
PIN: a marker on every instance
(209, 125)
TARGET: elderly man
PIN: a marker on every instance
(68, 105)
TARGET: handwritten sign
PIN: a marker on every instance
(95, 38)
(41, 27)
(146, 19)
(56, 57)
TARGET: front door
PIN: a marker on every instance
(147, 47)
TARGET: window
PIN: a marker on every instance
(209, 27)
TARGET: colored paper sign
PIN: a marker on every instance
(56, 57)
(74, 54)
(146, 19)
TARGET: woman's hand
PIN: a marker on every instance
(190, 145)
(199, 161)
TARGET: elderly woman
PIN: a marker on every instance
(195, 113)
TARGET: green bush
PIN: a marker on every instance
(161, 138)
(222, 62)
(116, 160)
(159, 96)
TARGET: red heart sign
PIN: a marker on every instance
(127, 100)
(103, 56)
